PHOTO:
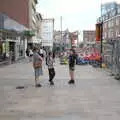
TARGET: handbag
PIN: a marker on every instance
(38, 64)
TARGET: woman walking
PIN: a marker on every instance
(51, 69)
(37, 65)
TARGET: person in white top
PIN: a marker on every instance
(30, 55)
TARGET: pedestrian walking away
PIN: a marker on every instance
(37, 65)
(51, 69)
(72, 61)
(54, 56)
(27, 52)
(30, 55)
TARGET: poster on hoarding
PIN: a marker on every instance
(47, 29)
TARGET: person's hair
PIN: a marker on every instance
(35, 48)
(72, 50)
(50, 53)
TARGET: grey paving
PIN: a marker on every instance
(96, 95)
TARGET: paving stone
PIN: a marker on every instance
(95, 96)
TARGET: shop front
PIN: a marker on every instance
(12, 39)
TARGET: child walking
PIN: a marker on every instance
(51, 69)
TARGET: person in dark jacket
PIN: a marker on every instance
(27, 52)
(72, 62)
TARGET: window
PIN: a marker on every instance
(117, 21)
(117, 32)
(33, 19)
(110, 34)
(105, 25)
(105, 35)
(33, 7)
(118, 10)
(86, 39)
(112, 23)
(108, 24)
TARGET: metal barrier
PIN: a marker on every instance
(112, 57)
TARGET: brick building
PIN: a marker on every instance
(22, 11)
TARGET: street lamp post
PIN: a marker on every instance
(61, 33)
(101, 36)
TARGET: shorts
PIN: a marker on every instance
(38, 72)
(71, 68)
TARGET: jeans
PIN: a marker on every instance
(51, 73)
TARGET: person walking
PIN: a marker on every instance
(27, 52)
(51, 69)
(27, 55)
(54, 56)
(72, 62)
(37, 65)
(30, 55)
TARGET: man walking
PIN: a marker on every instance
(72, 61)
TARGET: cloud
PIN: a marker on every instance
(77, 14)
(67, 6)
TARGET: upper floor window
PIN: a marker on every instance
(105, 25)
(117, 21)
(117, 33)
(33, 7)
(105, 35)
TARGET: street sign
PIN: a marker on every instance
(47, 29)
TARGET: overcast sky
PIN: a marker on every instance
(77, 14)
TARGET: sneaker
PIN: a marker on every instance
(71, 82)
(38, 85)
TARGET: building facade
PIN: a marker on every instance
(62, 39)
(111, 33)
(89, 37)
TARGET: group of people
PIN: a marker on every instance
(37, 65)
